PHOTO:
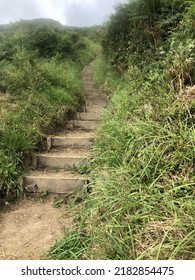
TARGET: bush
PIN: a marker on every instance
(14, 143)
(143, 176)
(40, 86)
(139, 26)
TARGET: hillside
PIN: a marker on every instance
(142, 200)
(40, 86)
(139, 203)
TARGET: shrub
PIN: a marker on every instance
(40, 86)
(143, 176)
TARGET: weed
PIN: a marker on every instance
(43, 195)
(70, 248)
(57, 203)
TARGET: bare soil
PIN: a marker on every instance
(30, 227)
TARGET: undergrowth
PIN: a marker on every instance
(141, 205)
(40, 87)
(143, 169)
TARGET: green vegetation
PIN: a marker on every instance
(142, 200)
(40, 85)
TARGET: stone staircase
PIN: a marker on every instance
(55, 170)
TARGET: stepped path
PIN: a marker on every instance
(68, 151)
(30, 227)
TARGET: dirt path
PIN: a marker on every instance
(30, 227)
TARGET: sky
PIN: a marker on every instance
(68, 12)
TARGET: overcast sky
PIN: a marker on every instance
(68, 12)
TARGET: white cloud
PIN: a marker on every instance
(71, 12)
(54, 9)
(18, 9)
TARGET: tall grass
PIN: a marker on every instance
(141, 204)
(40, 86)
(143, 171)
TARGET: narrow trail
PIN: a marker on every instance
(30, 227)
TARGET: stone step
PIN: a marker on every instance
(91, 90)
(87, 72)
(101, 103)
(86, 125)
(84, 116)
(82, 125)
(87, 76)
(88, 82)
(61, 183)
(72, 141)
(96, 98)
(90, 87)
(93, 109)
(59, 160)
(71, 148)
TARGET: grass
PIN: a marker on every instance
(40, 88)
(71, 248)
(142, 200)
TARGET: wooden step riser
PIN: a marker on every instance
(53, 185)
(44, 161)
